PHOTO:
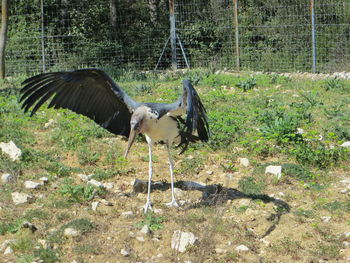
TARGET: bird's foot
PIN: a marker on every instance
(147, 207)
(173, 203)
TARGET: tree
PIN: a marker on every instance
(3, 35)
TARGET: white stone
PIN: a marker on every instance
(244, 202)
(345, 181)
(140, 238)
(49, 124)
(44, 180)
(220, 251)
(244, 162)
(347, 234)
(8, 250)
(94, 205)
(83, 177)
(346, 244)
(210, 172)
(345, 144)
(11, 150)
(108, 186)
(242, 248)
(32, 185)
(145, 230)
(95, 183)
(127, 213)
(7, 178)
(106, 203)
(5, 244)
(181, 240)
(71, 232)
(124, 252)
(300, 131)
(325, 219)
(44, 243)
(275, 170)
(178, 192)
(21, 198)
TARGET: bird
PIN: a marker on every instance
(92, 93)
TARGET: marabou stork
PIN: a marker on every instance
(91, 92)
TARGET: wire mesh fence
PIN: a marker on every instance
(276, 35)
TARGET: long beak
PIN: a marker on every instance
(131, 140)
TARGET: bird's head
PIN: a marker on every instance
(136, 127)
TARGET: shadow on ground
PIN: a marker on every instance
(216, 194)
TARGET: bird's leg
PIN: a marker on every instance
(148, 205)
(173, 202)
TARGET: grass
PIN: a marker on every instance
(254, 116)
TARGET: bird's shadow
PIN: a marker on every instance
(216, 194)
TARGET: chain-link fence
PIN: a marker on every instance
(275, 35)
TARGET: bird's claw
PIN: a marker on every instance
(173, 203)
(147, 207)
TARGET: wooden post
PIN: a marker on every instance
(313, 35)
(172, 34)
(235, 11)
(3, 35)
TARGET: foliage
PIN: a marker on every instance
(247, 84)
(152, 221)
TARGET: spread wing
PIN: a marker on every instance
(90, 92)
(191, 105)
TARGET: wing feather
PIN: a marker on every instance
(90, 92)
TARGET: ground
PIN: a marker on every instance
(301, 217)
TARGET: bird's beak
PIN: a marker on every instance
(133, 133)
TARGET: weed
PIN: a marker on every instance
(88, 157)
(152, 221)
(332, 83)
(287, 245)
(77, 193)
(47, 255)
(87, 249)
(82, 225)
(247, 84)
(297, 171)
(313, 98)
(251, 185)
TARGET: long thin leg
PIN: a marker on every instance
(173, 202)
(148, 205)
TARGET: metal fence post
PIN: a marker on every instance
(42, 36)
(313, 34)
(172, 34)
(236, 33)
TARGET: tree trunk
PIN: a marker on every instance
(153, 6)
(3, 35)
(113, 17)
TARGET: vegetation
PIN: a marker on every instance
(296, 123)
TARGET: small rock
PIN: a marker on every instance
(44, 243)
(7, 178)
(325, 219)
(244, 162)
(178, 192)
(220, 251)
(139, 186)
(44, 180)
(300, 131)
(83, 177)
(5, 244)
(275, 170)
(157, 211)
(347, 235)
(11, 150)
(49, 124)
(244, 202)
(145, 230)
(181, 240)
(210, 172)
(32, 185)
(345, 144)
(124, 252)
(108, 186)
(106, 203)
(8, 250)
(70, 232)
(95, 183)
(21, 198)
(242, 248)
(27, 224)
(346, 244)
(140, 238)
(127, 213)
(94, 205)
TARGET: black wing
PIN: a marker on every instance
(191, 104)
(90, 92)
